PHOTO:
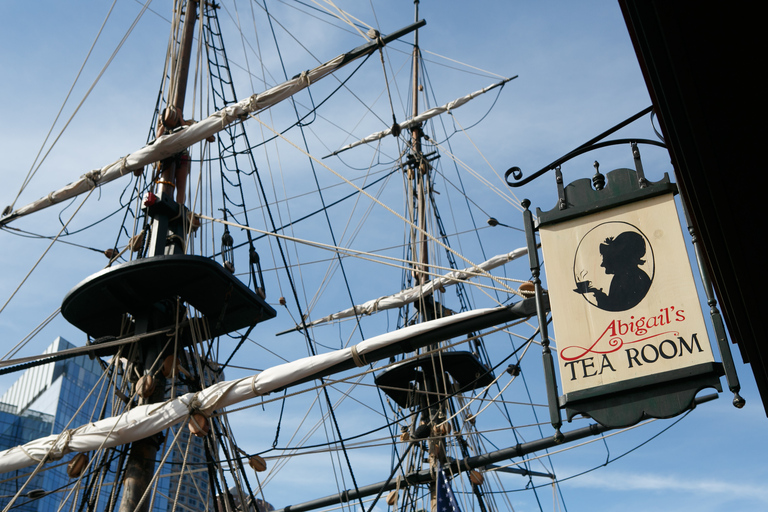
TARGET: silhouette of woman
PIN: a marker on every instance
(622, 257)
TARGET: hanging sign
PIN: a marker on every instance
(625, 311)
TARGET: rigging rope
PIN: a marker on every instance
(502, 194)
(64, 227)
(306, 334)
(409, 223)
(33, 170)
(362, 254)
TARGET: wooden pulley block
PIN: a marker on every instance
(476, 477)
(77, 465)
(146, 386)
(392, 498)
(170, 364)
(136, 243)
(527, 289)
(194, 220)
(198, 424)
(257, 463)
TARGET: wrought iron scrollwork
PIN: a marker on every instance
(517, 174)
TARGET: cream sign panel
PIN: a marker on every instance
(623, 300)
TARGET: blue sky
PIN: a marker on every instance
(578, 76)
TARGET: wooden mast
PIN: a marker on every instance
(431, 413)
(173, 175)
(433, 408)
(420, 171)
(140, 466)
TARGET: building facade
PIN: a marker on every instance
(51, 398)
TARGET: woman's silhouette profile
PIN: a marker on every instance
(622, 257)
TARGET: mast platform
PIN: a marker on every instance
(401, 381)
(100, 304)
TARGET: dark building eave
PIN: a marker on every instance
(700, 66)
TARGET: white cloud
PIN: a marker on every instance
(670, 483)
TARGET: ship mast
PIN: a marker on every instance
(166, 238)
(435, 373)
(173, 174)
(432, 414)
(419, 174)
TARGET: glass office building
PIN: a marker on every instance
(42, 402)
(19, 427)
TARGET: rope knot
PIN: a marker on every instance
(375, 35)
(227, 116)
(58, 450)
(195, 404)
(93, 177)
(253, 103)
(358, 359)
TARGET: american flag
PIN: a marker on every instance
(446, 502)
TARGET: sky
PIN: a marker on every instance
(577, 76)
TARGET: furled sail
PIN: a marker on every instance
(146, 420)
(413, 294)
(406, 125)
(168, 145)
